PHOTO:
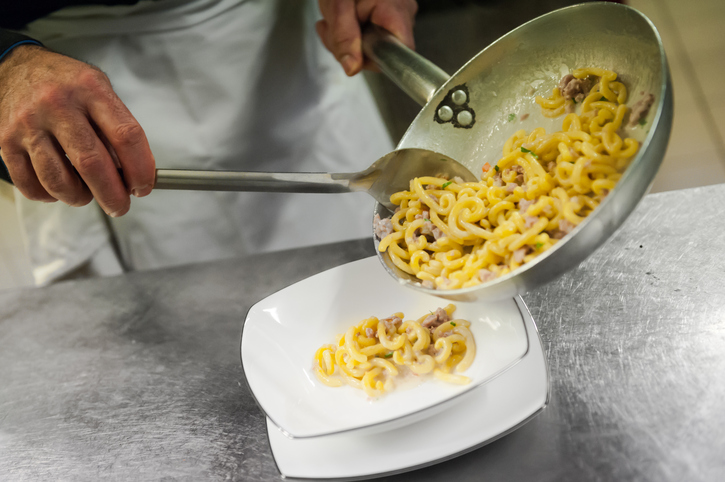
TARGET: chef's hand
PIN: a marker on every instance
(340, 27)
(52, 106)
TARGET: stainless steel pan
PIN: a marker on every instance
(500, 84)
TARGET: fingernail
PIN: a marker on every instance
(141, 191)
(348, 63)
(115, 215)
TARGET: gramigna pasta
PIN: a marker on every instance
(452, 234)
(375, 353)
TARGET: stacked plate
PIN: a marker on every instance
(316, 431)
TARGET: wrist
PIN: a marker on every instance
(10, 40)
(11, 43)
(20, 43)
(15, 56)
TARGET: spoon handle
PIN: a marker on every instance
(197, 180)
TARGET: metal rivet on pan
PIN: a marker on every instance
(459, 97)
(464, 118)
(445, 113)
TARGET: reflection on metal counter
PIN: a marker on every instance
(139, 376)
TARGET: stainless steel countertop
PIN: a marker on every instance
(138, 377)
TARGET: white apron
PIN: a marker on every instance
(216, 84)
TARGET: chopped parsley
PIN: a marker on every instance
(496, 167)
(642, 122)
(512, 117)
(523, 149)
(603, 99)
(446, 184)
(453, 324)
(574, 100)
(539, 245)
(426, 219)
(388, 355)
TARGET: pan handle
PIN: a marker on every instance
(414, 74)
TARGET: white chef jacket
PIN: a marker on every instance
(216, 84)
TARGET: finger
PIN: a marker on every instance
(126, 142)
(24, 178)
(344, 34)
(93, 162)
(323, 32)
(55, 172)
(397, 17)
(124, 134)
(325, 6)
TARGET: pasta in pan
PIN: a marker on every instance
(374, 353)
(452, 234)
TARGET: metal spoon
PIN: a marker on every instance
(389, 174)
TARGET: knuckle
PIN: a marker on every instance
(53, 180)
(24, 117)
(35, 142)
(85, 141)
(51, 97)
(128, 134)
(321, 27)
(92, 78)
(89, 161)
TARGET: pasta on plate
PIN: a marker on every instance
(375, 353)
(452, 234)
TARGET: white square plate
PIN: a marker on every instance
(283, 331)
(484, 415)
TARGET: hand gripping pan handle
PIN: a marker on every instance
(415, 75)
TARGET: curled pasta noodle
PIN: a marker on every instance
(452, 234)
(375, 353)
